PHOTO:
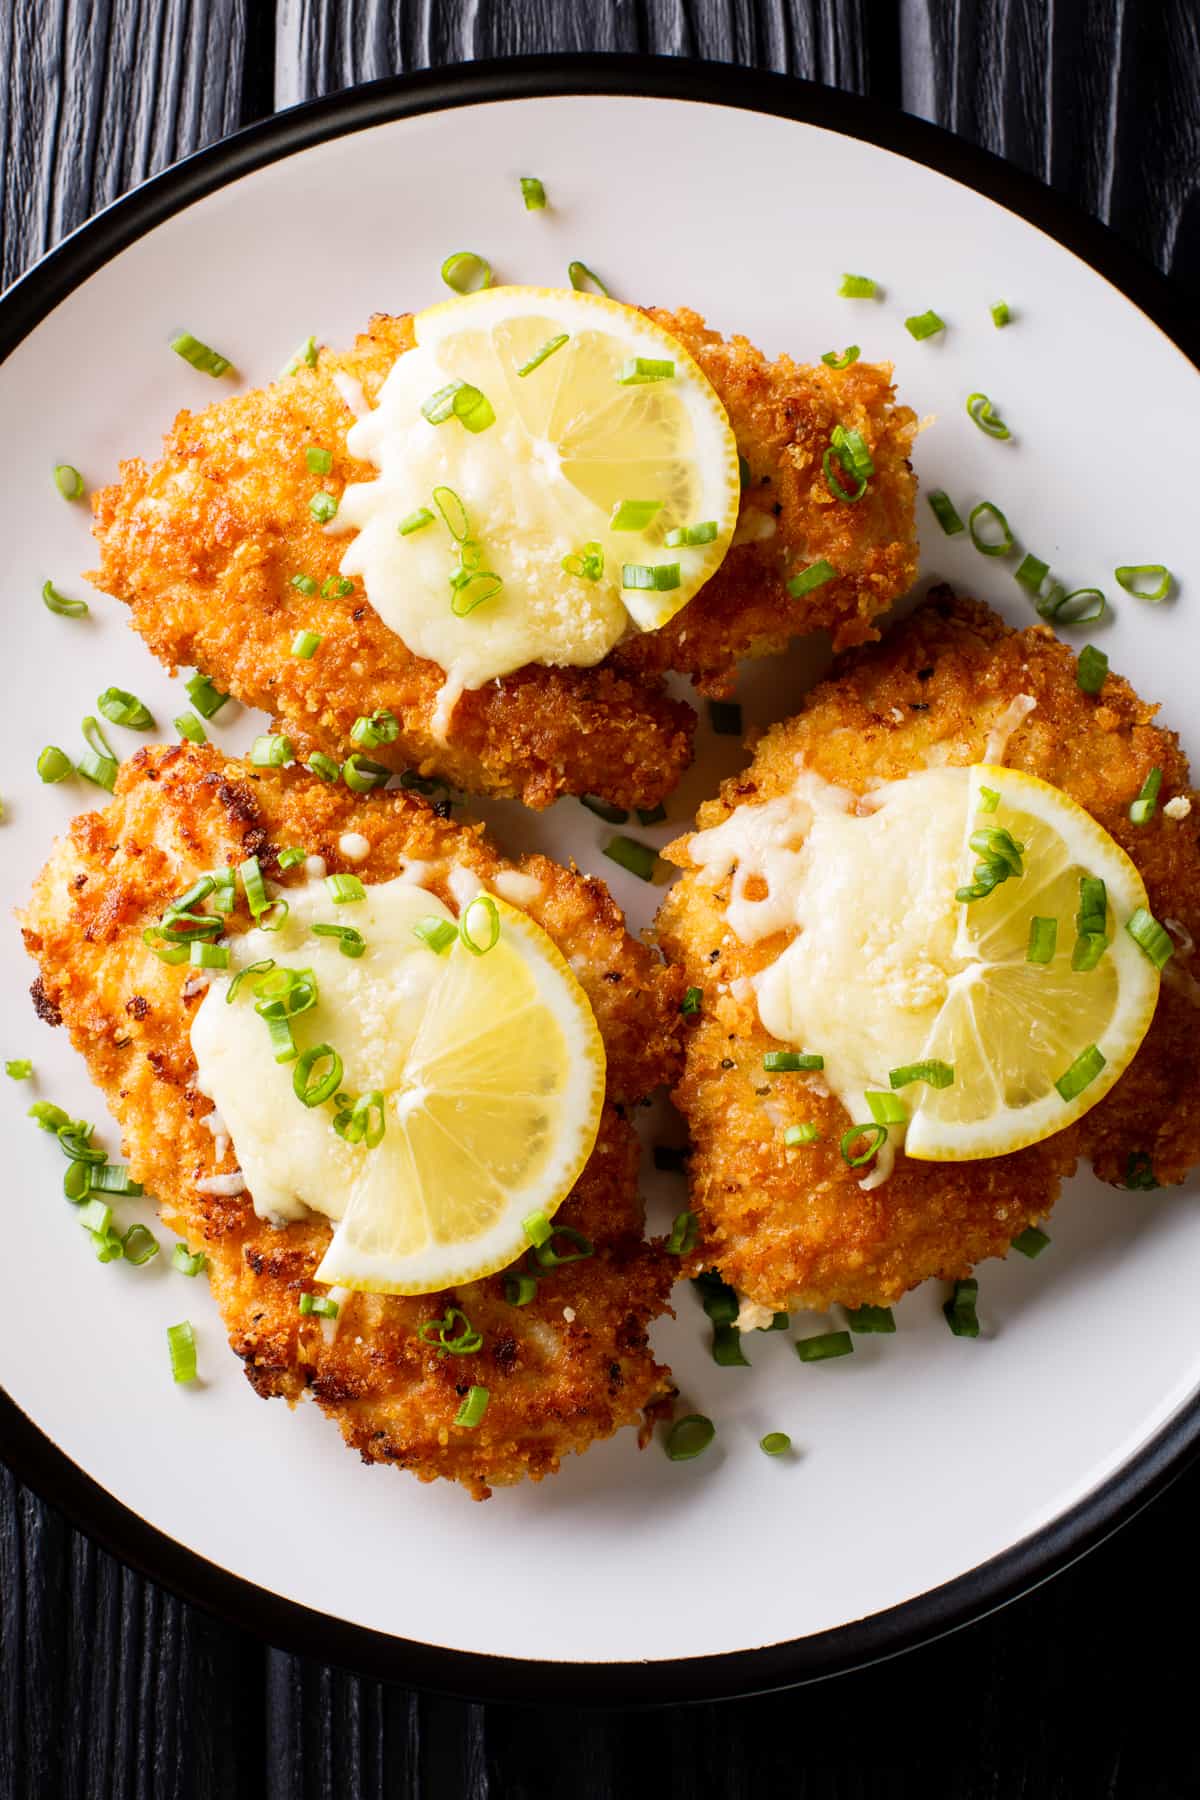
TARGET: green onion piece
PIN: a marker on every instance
(689, 1437)
(324, 766)
(1088, 950)
(440, 404)
(291, 991)
(691, 1003)
(612, 815)
(851, 448)
(319, 1306)
(945, 513)
(336, 586)
(519, 1290)
(305, 645)
(824, 1345)
(633, 515)
(272, 751)
(873, 1137)
(75, 1142)
(472, 408)
(885, 1109)
(188, 726)
(935, 1074)
(1031, 571)
(361, 775)
(671, 1157)
(254, 968)
(1134, 576)
(19, 1068)
(989, 546)
(536, 1227)
(726, 1348)
(638, 370)
(834, 485)
(981, 411)
(533, 193)
(279, 1028)
(77, 1181)
(470, 588)
(650, 815)
(1139, 1171)
(775, 1443)
(989, 799)
(661, 577)
(1150, 937)
(540, 356)
(1001, 314)
(814, 576)
(924, 325)
(181, 1342)
(685, 1233)
(1043, 937)
(54, 764)
(858, 287)
(788, 1062)
(848, 356)
(323, 507)
(342, 888)
(209, 956)
(306, 354)
(224, 888)
(1082, 606)
(206, 699)
(725, 717)
(1082, 1072)
(415, 521)
(350, 942)
(252, 883)
(959, 1310)
(453, 1335)
(471, 1412)
(55, 602)
(640, 859)
(209, 362)
(107, 1245)
(381, 727)
(438, 934)
(1143, 809)
(304, 584)
(139, 1244)
(588, 565)
(466, 272)
(871, 1318)
(186, 1262)
(96, 1215)
(580, 276)
(796, 1135)
(68, 481)
(1030, 1242)
(48, 1116)
(1091, 669)
(100, 769)
(704, 533)
(489, 932)
(548, 1257)
(314, 1091)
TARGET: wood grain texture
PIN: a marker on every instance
(112, 1690)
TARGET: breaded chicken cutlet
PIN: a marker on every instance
(795, 1227)
(571, 1366)
(203, 547)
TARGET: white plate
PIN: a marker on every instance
(924, 1463)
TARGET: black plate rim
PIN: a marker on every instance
(32, 1455)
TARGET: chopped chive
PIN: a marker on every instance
(415, 521)
(361, 775)
(1030, 1242)
(1082, 606)
(849, 355)
(983, 414)
(18, 1068)
(1031, 571)
(181, 1342)
(272, 751)
(533, 193)
(440, 404)
(318, 1306)
(548, 1257)
(139, 1245)
(824, 1345)
(187, 1262)
(54, 764)
(519, 1290)
(884, 1108)
(96, 1216)
(638, 370)
(306, 354)
(834, 485)
(48, 1116)
(68, 481)
(689, 1437)
(540, 356)
(685, 1233)
(466, 272)
(858, 287)
(945, 513)
(789, 1062)
(324, 766)
(1082, 1072)
(209, 956)
(691, 1003)
(472, 408)
(313, 1090)
(1150, 937)
(651, 815)
(436, 934)
(726, 1348)
(1001, 315)
(718, 1299)
(814, 576)
(775, 1443)
(725, 717)
(350, 942)
(1134, 576)
(959, 1310)
(1091, 669)
(580, 276)
(58, 603)
(1088, 949)
(470, 1413)
(452, 1335)
(305, 645)
(469, 589)
(1043, 937)
(304, 584)
(97, 764)
(587, 564)
(796, 1135)
(659, 576)
(935, 1074)
(989, 546)
(633, 515)
(206, 699)
(1139, 1172)
(871, 1318)
(924, 325)
(873, 1137)
(342, 888)
(536, 1227)
(323, 507)
(640, 859)
(1143, 809)
(208, 361)
(989, 799)
(319, 461)
(489, 933)
(336, 586)
(612, 815)
(379, 727)
(704, 533)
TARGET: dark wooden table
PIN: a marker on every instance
(110, 1686)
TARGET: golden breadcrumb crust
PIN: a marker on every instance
(794, 1226)
(203, 546)
(556, 1385)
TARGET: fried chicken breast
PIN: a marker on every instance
(203, 546)
(573, 1365)
(795, 1227)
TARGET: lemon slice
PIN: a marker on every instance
(536, 472)
(1010, 1028)
(492, 1118)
